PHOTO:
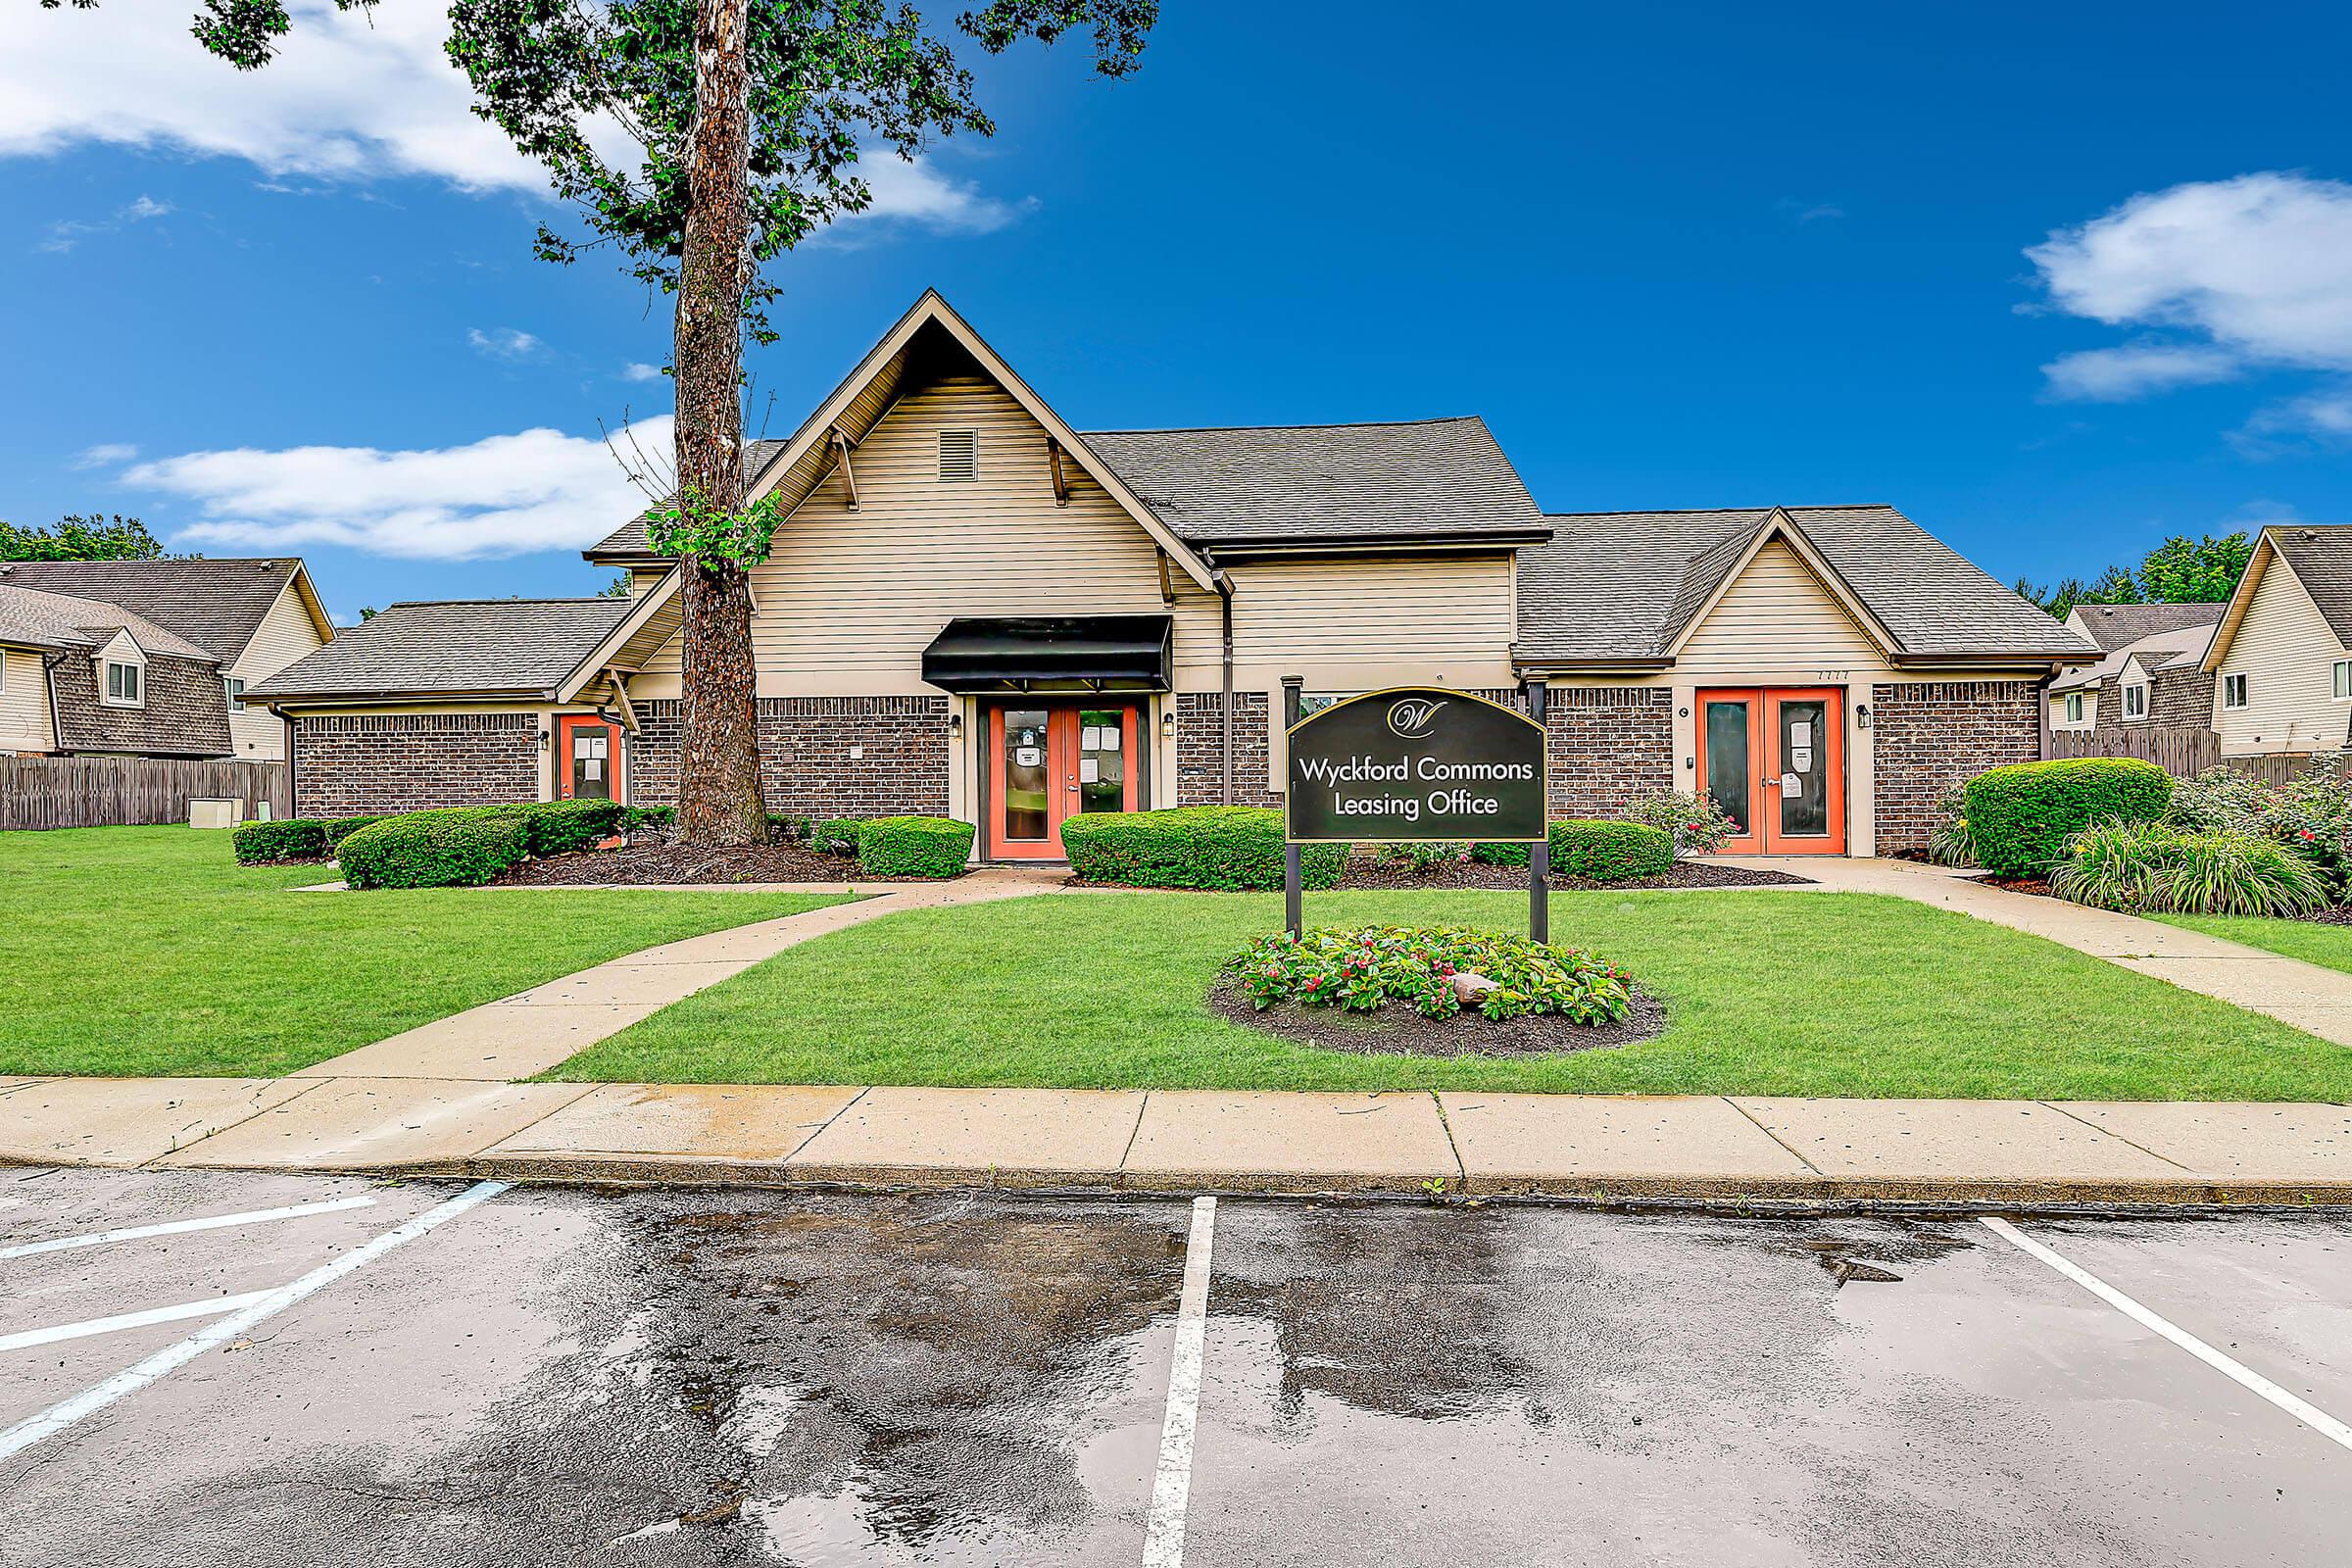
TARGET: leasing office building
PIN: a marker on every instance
(974, 610)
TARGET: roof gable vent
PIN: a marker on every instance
(958, 457)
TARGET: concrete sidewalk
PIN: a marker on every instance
(1576, 1147)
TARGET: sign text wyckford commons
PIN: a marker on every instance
(1415, 764)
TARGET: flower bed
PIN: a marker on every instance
(1365, 968)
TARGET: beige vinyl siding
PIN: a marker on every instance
(2286, 651)
(1779, 625)
(286, 633)
(25, 718)
(1363, 623)
(848, 600)
(2090, 710)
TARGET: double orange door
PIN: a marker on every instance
(1774, 760)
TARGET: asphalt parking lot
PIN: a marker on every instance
(685, 1377)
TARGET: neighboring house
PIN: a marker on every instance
(2282, 657)
(252, 618)
(84, 677)
(973, 610)
(2153, 672)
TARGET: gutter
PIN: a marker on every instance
(293, 801)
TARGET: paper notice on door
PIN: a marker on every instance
(1790, 784)
(1800, 757)
(1801, 734)
(1090, 771)
(1027, 756)
(591, 768)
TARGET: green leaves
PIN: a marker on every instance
(1360, 968)
(713, 535)
(82, 537)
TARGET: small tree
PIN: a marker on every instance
(80, 536)
(2195, 571)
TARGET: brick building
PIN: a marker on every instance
(973, 610)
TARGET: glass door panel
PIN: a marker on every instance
(1804, 769)
(1727, 760)
(1028, 776)
(1103, 759)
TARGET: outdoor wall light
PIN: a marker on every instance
(544, 738)
(955, 726)
(1167, 726)
(1861, 715)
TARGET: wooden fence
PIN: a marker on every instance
(2183, 751)
(38, 792)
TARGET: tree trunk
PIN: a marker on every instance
(718, 773)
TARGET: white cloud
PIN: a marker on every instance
(2109, 375)
(1807, 212)
(504, 342)
(918, 193)
(2322, 418)
(105, 453)
(2248, 272)
(66, 233)
(638, 372)
(144, 207)
(502, 496)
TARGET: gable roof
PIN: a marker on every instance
(892, 365)
(215, 603)
(1622, 587)
(2114, 626)
(466, 647)
(2158, 653)
(2318, 554)
(1420, 479)
(37, 618)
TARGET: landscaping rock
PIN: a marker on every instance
(1469, 986)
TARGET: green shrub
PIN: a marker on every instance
(1610, 852)
(1361, 970)
(343, 827)
(638, 817)
(795, 827)
(1949, 840)
(2021, 816)
(1220, 847)
(434, 849)
(2310, 815)
(1697, 824)
(1423, 855)
(2157, 868)
(837, 837)
(1500, 853)
(550, 827)
(290, 838)
(913, 846)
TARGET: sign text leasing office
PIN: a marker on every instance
(1415, 764)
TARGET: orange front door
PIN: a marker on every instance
(1049, 762)
(587, 751)
(1774, 759)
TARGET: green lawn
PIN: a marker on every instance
(149, 950)
(2327, 945)
(1768, 993)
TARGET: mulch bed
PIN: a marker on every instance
(651, 857)
(1397, 1029)
(1397, 874)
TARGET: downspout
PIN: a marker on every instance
(2042, 705)
(293, 801)
(1224, 586)
(56, 734)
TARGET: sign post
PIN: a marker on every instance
(1539, 854)
(1413, 762)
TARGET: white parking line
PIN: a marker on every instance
(181, 1227)
(1172, 1487)
(82, 1330)
(31, 1430)
(2237, 1372)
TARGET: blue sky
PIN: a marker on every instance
(1677, 255)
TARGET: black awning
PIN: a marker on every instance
(1051, 653)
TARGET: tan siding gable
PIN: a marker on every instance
(1777, 621)
(2286, 650)
(1371, 621)
(25, 725)
(286, 633)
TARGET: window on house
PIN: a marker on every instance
(2135, 702)
(958, 457)
(236, 692)
(2074, 707)
(122, 684)
(2343, 677)
(1315, 702)
(2234, 688)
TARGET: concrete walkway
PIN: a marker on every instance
(2306, 994)
(1576, 1147)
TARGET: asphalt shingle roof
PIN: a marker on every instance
(2323, 559)
(215, 603)
(629, 539)
(1304, 483)
(48, 619)
(1621, 585)
(487, 645)
(2168, 649)
(2114, 626)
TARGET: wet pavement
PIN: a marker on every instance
(698, 1376)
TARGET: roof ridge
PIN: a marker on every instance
(428, 603)
(1717, 512)
(1339, 425)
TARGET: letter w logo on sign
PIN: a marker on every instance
(1410, 719)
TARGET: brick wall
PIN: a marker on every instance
(1607, 746)
(1201, 754)
(347, 764)
(1934, 736)
(804, 765)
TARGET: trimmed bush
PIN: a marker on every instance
(550, 827)
(434, 849)
(2160, 869)
(2021, 816)
(290, 838)
(343, 827)
(1226, 848)
(1610, 852)
(1500, 853)
(913, 846)
(637, 817)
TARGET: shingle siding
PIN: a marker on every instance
(185, 712)
(1931, 737)
(347, 764)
